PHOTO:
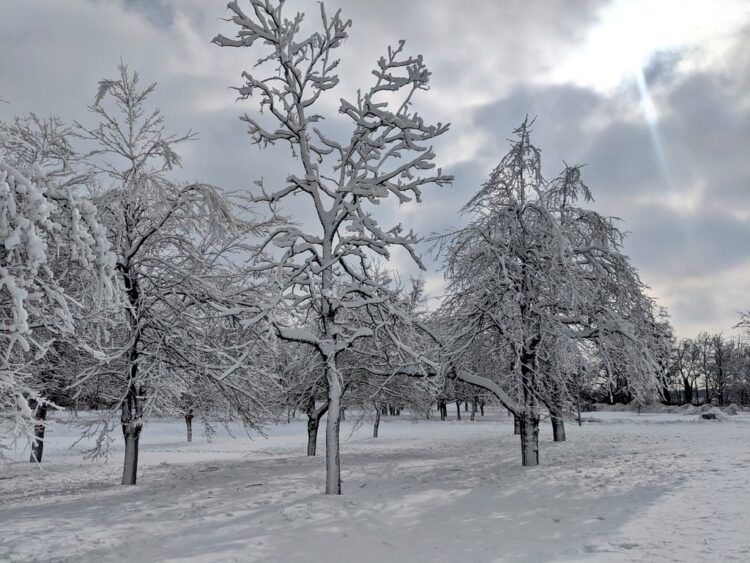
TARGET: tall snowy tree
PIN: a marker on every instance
(55, 265)
(325, 271)
(176, 247)
(542, 275)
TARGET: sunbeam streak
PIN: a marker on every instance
(652, 120)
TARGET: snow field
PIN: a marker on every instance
(649, 487)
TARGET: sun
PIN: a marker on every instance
(630, 32)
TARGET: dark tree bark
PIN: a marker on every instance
(516, 425)
(529, 416)
(37, 448)
(688, 390)
(558, 425)
(312, 436)
(708, 393)
(376, 425)
(131, 416)
(473, 409)
(333, 427)
(189, 425)
(529, 439)
(313, 422)
(132, 424)
(481, 408)
(458, 410)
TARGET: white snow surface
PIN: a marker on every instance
(624, 487)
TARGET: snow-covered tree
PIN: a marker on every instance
(176, 247)
(325, 271)
(684, 366)
(304, 387)
(543, 279)
(55, 268)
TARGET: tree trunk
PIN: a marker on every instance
(313, 422)
(189, 424)
(473, 409)
(132, 424)
(333, 426)
(443, 410)
(529, 424)
(132, 407)
(558, 426)
(458, 410)
(708, 395)
(578, 403)
(466, 406)
(130, 468)
(688, 398)
(37, 448)
(516, 425)
(377, 422)
(312, 435)
(481, 408)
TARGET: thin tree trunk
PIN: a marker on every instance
(708, 396)
(473, 409)
(312, 435)
(688, 397)
(578, 403)
(130, 467)
(333, 426)
(516, 425)
(481, 407)
(189, 424)
(377, 422)
(458, 410)
(37, 448)
(558, 425)
(529, 439)
(466, 406)
(132, 407)
(313, 423)
(132, 424)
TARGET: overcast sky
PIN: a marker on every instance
(653, 95)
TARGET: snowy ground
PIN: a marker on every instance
(654, 487)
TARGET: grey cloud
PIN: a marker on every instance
(666, 241)
(488, 59)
